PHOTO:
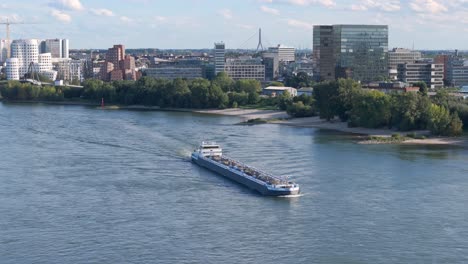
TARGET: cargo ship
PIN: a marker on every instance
(210, 155)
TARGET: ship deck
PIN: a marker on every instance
(251, 171)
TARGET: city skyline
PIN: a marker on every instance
(197, 24)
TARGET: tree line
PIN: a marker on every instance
(442, 114)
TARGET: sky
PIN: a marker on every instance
(194, 24)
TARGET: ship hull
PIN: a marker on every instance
(234, 176)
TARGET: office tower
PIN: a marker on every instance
(357, 51)
(219, 57)
(322, 54)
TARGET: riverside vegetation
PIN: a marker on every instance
(442, 114)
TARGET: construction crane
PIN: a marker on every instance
(8, 23)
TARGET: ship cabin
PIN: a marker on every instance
(210, 149)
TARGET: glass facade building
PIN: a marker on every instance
(359, 52)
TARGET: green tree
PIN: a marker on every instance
(299, 109)
(218, 98)
(225, 82)
(200, 91)
(276, 84)
(327, 98)
(439, 120)
(455, 128)
(423, 90)
(371, 110)
(348, 90)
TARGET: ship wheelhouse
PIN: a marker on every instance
(210, 149)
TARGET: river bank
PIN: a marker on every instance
(282, 118)
(365, 134)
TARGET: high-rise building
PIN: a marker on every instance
(271, 62)
(65, 48)
(219, 57)
(116, 55)
(285, 54)
(358, 52)
(59, 48)
(323, 53)
(3, 50)
(118, 66)
(422, 71)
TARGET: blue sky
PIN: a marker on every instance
(430, 24)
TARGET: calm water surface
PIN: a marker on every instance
(83, 185)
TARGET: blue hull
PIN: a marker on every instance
(232, 175)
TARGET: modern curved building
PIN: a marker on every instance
(25, 53)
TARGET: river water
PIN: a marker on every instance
(85, 185)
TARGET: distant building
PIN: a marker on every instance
(285, 54)
(245, 68)
(400, 56)
(58, 48)
(3, 50)
(443, 59)
(70, 70)
(174, 72)
(274, 91)
(457, 70)
(387, 87)
(351, 51)
(219, 57)
(182, 68)
(430, 73)
(118, 66)
(271, 62)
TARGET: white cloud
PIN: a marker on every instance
(61, 16)
(428, 6)
(387, 6)
(326, 3)
(11, 18)
(244, 26)
(299, 24)
(270, 10)
(74, 5)
(126, 19)
(102, 12)
(226, 13)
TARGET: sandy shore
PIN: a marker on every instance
(336, 125)
(247, 113)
